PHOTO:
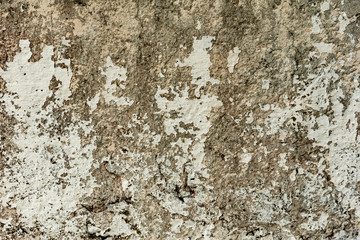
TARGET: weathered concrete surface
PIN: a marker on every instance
(179, 119)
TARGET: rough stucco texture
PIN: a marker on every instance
(179, 119)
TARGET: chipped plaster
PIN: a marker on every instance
(178, 120)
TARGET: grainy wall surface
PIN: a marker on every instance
(179, 119)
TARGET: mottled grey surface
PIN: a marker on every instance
(179, 119)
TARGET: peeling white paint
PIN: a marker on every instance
(40, 184)
(92, 103)
(246, 158)
(265, 84)
(324, 47)
(65, 42)
(19, 77)
(199, 61)
(113, 222)
(115, 77)
(195, 113)
(187, 120)
(338, 134)
(312, 224)
(324, 6)
(176, 225)
(233, 59)
(340, 235)
(119, 227)
(266, 107)
(115, 80)
(343, 22)
(192, 111)
(316, 22)
(198, 25)
(250, 118)
(263, 204)
(293, 176)
(282, 162)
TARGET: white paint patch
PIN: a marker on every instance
(176, 225)
(337, 134)
(233, 59)
(263, 203)
(293, 176)
(19, 80)
(324, 6)
(40, 183)
(265, 84)
(115, 78)
(184, 114)
(313, 225)
(113, 222)
(65, 42)
(341, 235)
(119, 227)
(282, 162)
(199, 61)
(316, 23)
(174, 205)
(324, 47)
(246, 158)
(250, 118)
(93, 102)
(190, 111)
(198, 26)
(266, 107)
(343, 22)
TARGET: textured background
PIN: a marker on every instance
(179, 119)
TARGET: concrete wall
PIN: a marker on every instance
(179, 119)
